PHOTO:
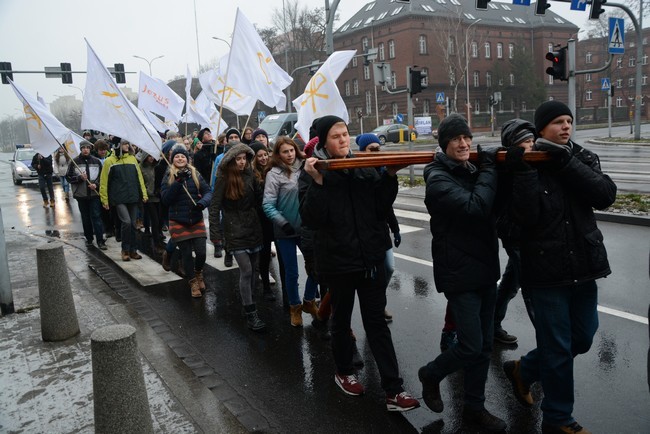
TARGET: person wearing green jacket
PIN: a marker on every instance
(122, 187)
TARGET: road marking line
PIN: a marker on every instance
(412, 215)
(603, 309)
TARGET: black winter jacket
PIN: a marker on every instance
(92, 167)
(460, 200)
(43, 165)
(560, 242)
(181, 208)
(348, 213)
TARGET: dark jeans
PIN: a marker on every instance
(508, 287)
(473, 313)
(371, 291)
(126, 213)
(45, 181)
(566, 321)
(152, 210)
(190, 264)
(91, 218)
(265, 253)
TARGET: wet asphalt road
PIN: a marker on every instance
(286, 373)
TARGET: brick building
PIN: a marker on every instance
(433, 34)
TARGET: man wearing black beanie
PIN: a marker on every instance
(348, 211)
(562, 255)
(460, 199)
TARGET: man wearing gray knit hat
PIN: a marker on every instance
(562, 255)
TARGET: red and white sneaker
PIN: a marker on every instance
(349, 384)
(401, 402)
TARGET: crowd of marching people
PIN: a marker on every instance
(259, 194)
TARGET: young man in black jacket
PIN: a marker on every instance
(562, 255)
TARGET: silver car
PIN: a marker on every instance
(21, 165)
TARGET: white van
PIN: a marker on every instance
(279, 124)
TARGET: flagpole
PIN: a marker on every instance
(225, 81)
(246, 124)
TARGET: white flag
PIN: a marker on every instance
(155, 96)
(212, 83)
(203, 112)
(252, 69)
(159, 125)
(72, 143)
(105, 108)
(321, 95)
(46, 132)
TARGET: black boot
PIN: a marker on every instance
(268, 294)
(253, 321)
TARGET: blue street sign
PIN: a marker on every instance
(399, 118)
(521, 2)
(578, 5)
(440, 97)
(605, 84)
(616, 36)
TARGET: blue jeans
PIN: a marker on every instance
(64, 184)
(287, 247)
(91, 218)
(566, 321)
(45, 185)
(473, 312)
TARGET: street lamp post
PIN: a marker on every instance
(469, 119)
(149, 61)
(79, 89)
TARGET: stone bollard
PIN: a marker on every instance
(58, 315)
(119, 393)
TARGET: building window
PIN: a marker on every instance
(395, 109)
(619, 83)
(511, 51)
(452, 78)
(630, 82)
(524, 107)
(644, 59)
(588, 95)
(364, 43)
(391, 49)
(488, 79)
(451, 46)
(512, 79)
(477, 106)
(355, 86)
(487, 50)
(354, 62)
(631, 62)
(588, 57)
(474, 49)
(366, 72)
(381, 52)
(644, 81)
(500, 81)
(347, 88)
(476, 78)
(587, 77)
(499, 50)
(368, 102)
(619, 102)
(426, 104)
(393, 78)
(550, 48)
(423, 44)
(619, 62)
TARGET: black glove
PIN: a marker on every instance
(560, 155)
(199, 206)
(183, 174)
(487, 156)
(515, 160)
(397, 238)
(288, 229)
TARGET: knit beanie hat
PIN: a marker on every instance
(257, 146)
(202, 133)
(233, 130)
(309, 147)
(515, 131)
(85, 144)
(167, 146)
(452, 126)
(363, 140)
(549, 110)
(180, 148)
(259, 132)
(322, 127)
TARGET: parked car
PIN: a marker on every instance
(391, 133)
(21, 165)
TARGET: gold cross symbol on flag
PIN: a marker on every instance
(263, 63)
(31, 116)
(312, 93)
(230, 91)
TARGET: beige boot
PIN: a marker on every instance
(295, 312)
(310, 308)
(52, 203)
(45, 204)
(199, 276)
(195, 288)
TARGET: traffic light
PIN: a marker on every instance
(416, 81)
(540, 8)
(596, 9)
(120, 76)
(6, 76)
(482, 4)
(66, 77)
(559, 70)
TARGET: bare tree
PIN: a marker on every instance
(600, 28)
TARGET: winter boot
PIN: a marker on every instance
(166, 261)
(195, 288)
(253, 321)
(199, 276)
(295, 312)
(309, 306)
(52, 203)
(45, 204)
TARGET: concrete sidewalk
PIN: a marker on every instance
(47, 386)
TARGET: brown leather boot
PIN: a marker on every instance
(45, 204)
(166, 261)
(194, 287)
(295, 313)
(125, 256)
(309, 306)
(135, 255)
(52, 203)
(199, 276)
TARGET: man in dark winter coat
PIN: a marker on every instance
(84, 177)
(562, 255)
(460, 199)
(203, 155)
(44, 168)
(348, 211)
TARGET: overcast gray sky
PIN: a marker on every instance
(39, 33)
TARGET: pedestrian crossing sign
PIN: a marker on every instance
(616, 36)
(440, 97)
(605, 84)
